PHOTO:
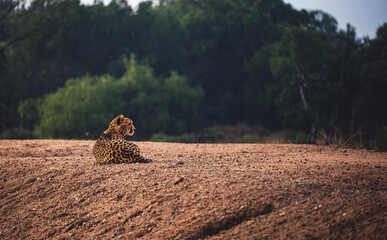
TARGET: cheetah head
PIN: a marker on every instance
(121, 125)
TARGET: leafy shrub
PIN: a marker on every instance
(240, 133)
(17, 133)
(161, 137)
(87, 104)
(83, 105)
(213, 134)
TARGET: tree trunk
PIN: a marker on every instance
(350, 46)
(305, 93)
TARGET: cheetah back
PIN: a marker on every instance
(117, 151)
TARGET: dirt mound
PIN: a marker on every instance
(53, 189)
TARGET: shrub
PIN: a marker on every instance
(87, 104)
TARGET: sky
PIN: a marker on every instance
(365, 15)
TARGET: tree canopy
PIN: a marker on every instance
(64, 68)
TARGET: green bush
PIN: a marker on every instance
(17, 133)
(83, 105)
(161, 137)
(87, 104)
(240, 133)
(213, 134)
(288, 136)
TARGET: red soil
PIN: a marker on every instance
(54, 189)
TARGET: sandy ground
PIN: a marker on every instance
(53, 189)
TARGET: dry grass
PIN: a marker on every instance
(338, 140)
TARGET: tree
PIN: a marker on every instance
(12, 15)
(369, 97)
(301, 61)
(253, 61)
(49, 42)
(222, 36)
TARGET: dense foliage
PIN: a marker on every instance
(201, 63)
(85, 105)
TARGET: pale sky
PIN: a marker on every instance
(365, 15)
(133, 3)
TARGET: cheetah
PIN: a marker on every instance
(111, 147)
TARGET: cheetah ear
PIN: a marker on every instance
(118, 121)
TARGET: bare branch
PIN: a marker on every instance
(16, 39)
(11, 7)
(305, 91)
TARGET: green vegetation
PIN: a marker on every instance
(240, 133)
(86, 104)
(202, 68)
